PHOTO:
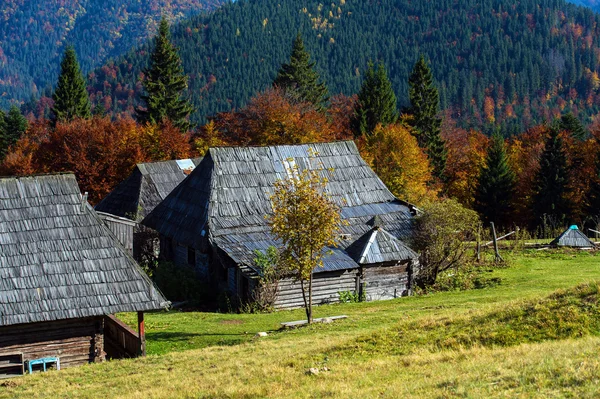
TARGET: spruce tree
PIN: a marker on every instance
(572, 125)
(377, 102)
(496, 185)
(300, 79)
(424, 100)
(552, 179)
(165, 84)
(593, 194)
(15, 125)
(71, 97)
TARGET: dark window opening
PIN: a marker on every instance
(191, 256)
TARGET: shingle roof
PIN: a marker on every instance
(573, 237)
(146, 187)
(58, 260)
(229, 194)
(379, 246)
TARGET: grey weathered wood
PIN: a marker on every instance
(298, 323)
(498, 257)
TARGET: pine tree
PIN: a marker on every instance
(3, 135)
(551, 183)
(164, 84)
(300, 79)
(593, 194)
(15, 125)
(424, 100)
(496, 186)
(377, 102)
(571, 124)
(71, 97)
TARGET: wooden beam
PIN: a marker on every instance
(498, 257)
(142, 333)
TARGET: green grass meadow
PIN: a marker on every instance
(537, 334)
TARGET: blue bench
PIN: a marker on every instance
(43, 361)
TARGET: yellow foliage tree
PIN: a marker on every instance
(394, 154)
(305, 220)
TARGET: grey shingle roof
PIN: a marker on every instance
(146, 187)
(573, 237)
(379, 246)
(58, 260)
(229, 194)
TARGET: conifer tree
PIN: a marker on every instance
(496, 185)
(377, 102)
(15, 125)
(71, 97)
(571, 124)
(551, 183)
(300, 79)
(165, 84)
(593, 194)
(424, 100)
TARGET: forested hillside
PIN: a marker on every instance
(495, 61)
(593, 4)
(33, 34)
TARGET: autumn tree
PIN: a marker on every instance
(495, 191)
(441, 236)
(71, 98)
(394, 154)
(299, 77)
(424, 108)
(207, 138)
(551, 183)
(3, 135)
(274, 117)
(306, 221)
(593, 193)
(377, 104)
(164, 85)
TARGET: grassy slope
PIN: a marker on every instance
(460, 344)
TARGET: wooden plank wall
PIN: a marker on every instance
(75, 341)
(121, 229)
(326, 289)
(120, 341)
(385, 282)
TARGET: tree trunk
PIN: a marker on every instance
(309, 312)
(306, 303)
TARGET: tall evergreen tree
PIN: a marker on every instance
(551, 184)
(377, 102)
(165, 84)
(71, 98)
(3, 135)
(15, 125)
(496, 186)
(593, 194)
(571, 124)
(300, 78)
(424, 100)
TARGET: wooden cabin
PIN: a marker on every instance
(63, 274)
(138, 195)
(215, 220)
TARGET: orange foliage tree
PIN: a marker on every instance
(466, 156)
(272, 118)
(100, 152)
(394, 154)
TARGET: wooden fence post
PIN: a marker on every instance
(498, 257)
(142, 333)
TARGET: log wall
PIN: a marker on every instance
(75, 341)
(326, 289)
(385, 282)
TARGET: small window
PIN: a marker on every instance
(191, 258)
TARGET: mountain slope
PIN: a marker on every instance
(33, 34)
(496, 61)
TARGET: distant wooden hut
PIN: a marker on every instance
(138, 195)
(63, 273)
(215, 220)
(574, 238)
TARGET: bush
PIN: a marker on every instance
(180, 283)
(467, 277)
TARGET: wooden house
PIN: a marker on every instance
(63, 273)
(215, 220)
(138, 195)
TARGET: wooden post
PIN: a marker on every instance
(142, 333)
(498, 257)
(478, 255)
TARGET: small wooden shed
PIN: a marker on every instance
(63, 273)
(573, 238)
